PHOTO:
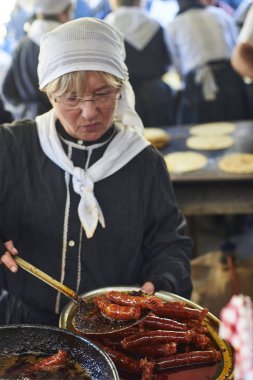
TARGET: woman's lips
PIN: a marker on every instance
(90, 126)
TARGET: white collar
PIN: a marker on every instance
(124, 146)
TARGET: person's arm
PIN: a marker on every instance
(242, 59)
(242, 56)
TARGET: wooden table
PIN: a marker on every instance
(209, 191)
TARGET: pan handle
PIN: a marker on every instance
(46, 278)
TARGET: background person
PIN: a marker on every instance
(242, 57)
(83, 196)
(20, 84)
(241, 12)
(147, 59)
(201, 39)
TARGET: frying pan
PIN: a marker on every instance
(22, 339)
(87, 320)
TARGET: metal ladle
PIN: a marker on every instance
(87, 320)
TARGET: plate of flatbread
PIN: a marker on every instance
(210, 142)
(157, 137)
(237, 163)
(183, 162)
(212, 129)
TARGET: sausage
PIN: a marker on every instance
(148, 369)
(58, 359)
(152, 351)
(126, 332)
(156, 337)
(187, 359)
(201, 341)
(181, 313)
(115, 311)
(123, 361)
(197, 326)
(141, 367)
(112, 342)
(125, 299)
(158, 323)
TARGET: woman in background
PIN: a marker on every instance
(147, 59)
(20, 84)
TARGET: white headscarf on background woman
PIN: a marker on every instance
(42, 24)
(89, 44)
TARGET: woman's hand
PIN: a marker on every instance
(7, 258)
(148, 287)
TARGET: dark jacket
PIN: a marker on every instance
(21, 84)
(5, 116)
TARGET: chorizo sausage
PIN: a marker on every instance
(58, 359)
(123, 361)
(147, 367)
(201, 341)
(181, 313)
(114, 311)
(156, 337)
(158, 323)
(152, 351)
(188, 359)
(125, 299)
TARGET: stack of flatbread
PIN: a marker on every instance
(211, 136)
(157, 137)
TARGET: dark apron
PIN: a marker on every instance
(231, 102)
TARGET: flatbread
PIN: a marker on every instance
(237, 163)
(182, 162)
(209, 142)
(212, 129)
(157, 137)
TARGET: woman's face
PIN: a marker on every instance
(88, 121)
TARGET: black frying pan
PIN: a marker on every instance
(21, 339)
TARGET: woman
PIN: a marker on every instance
(201, 40)
(83, 196)
(147, 59)
(20, 84)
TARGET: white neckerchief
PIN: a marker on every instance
(124, 146)
(40, 27)
(136, 25)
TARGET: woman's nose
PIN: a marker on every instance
(88, 109)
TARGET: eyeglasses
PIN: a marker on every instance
(106, 99)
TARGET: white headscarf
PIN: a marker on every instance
(50, 7)
(81, 45)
